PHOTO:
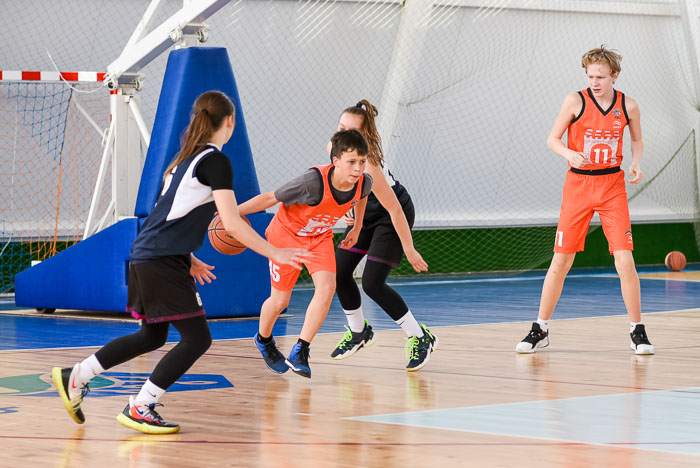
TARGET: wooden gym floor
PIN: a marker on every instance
(585, 401)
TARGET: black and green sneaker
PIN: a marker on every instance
(352, 342)
(418, 350)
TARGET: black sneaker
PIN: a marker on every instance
(352, 342)
(145, 418)
(272, 356)
(418, 350)
(70, 391)
(640, 342)
(535, 339)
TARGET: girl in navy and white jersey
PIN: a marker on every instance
(161, 290)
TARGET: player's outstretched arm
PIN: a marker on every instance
(258, 203)
(228, 211)
(387, 198)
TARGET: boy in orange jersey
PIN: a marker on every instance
(311, 205)
(595, 119)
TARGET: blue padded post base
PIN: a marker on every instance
(91, 275)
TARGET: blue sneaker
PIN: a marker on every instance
(272, 356)
(298, 361)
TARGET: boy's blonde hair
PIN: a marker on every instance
(602, 55)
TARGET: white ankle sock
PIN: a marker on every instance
(356, 319)
(544, 324)
(150, 393)
(89, 368)
(633, 325)
(410, 325)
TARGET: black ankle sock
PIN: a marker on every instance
(304, 344)
(264, 340)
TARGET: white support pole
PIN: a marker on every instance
(142, 27)
(145, 134)
(126, 159)
(187, 21)
(92, 122)
(409, 41)
(96, 194)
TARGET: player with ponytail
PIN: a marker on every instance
(384, 238)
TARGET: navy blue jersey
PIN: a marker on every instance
(178, 223)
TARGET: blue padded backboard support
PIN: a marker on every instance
(91, 275)
(189, 73)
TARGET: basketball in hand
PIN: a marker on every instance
(222, 241)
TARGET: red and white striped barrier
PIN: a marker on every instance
(81, 76)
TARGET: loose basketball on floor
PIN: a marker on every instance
(675, 261)
(222, 241)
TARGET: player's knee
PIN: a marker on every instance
(561, 264)
(624, 261)
(325, 289)
(204, 344)
(372, 288)
(153, 338)
(278, 303)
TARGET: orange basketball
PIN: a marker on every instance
(222, 241)
(675, 261)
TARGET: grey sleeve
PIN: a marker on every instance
(367, 183)
(307, 189)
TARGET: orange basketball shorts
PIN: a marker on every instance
(284, 277)
(582, 196)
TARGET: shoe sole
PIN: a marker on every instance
(365, 344)
(57, 377)
(300, 372)
(532, 350)
(143, 427)
(642, 352)
(268, 366)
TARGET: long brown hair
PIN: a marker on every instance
(209, 112)
(369, 130)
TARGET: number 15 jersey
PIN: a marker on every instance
(597, 133)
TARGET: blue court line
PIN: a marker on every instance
(666, 420)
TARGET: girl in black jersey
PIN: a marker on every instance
(161, 286)
(385, 236)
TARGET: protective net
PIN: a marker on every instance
(49, 158)
(467, 92)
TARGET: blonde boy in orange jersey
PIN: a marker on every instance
(311, 205)
(595, 119)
